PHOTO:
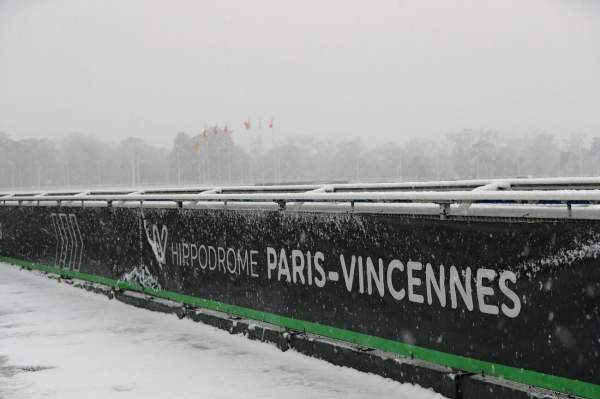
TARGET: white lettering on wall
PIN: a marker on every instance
(484, 290)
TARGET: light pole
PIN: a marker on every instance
(178, 166)
(39, 174)
(399, 169)
(13, 171)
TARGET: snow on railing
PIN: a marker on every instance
(523, 196)
(449, 197)
(448, 185)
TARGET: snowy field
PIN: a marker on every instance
(57, 341)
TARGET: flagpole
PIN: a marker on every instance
(199, 160)
(203, 159)
(277, 157)
(219, 163)
(229, 144)
(262, 162)
(178, 167)
(274, 156)
(241, 166)
(207, 158)
(250, 163)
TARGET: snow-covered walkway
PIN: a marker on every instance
(57, 341)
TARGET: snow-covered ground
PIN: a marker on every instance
(57, 341)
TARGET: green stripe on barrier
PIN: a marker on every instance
(560, 384)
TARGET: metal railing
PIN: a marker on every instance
(549, 197)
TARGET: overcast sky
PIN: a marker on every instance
(381, 69)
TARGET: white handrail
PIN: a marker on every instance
(524, 196)
(464, 193)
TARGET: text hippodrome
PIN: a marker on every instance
(422, 283)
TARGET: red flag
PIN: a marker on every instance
(271, 124)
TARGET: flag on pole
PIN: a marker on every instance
(196, 147)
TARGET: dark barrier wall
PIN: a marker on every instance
(512, 298)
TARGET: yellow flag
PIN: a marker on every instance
(196, 147)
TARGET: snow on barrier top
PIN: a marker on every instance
(577, 197)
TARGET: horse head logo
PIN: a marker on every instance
(157, 238)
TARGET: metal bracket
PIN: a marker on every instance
(444, 210)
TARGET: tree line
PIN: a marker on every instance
(214, 158)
